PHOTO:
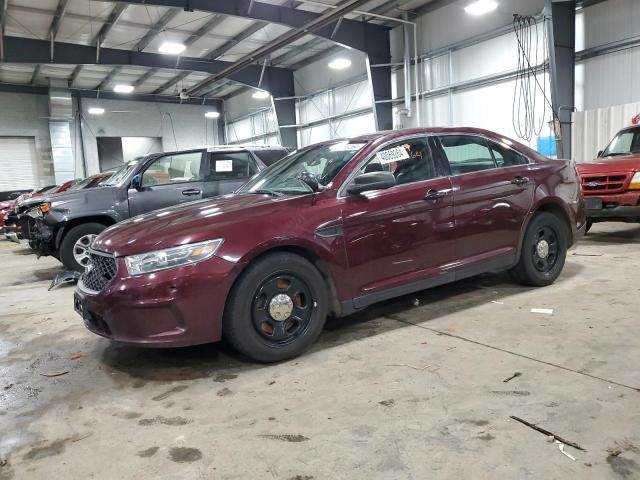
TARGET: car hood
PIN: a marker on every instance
(189, 223)
(605, 165)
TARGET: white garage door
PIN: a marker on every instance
(17, 161)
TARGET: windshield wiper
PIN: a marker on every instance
(265, 191)
(617, 154)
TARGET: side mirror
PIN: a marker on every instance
(371, 181)
(136, 182)
(600, 153)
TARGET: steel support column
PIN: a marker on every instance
(562, 38)
(285, 111)
(379, 53)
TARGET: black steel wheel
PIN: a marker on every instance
(277, 308)
(543, 252)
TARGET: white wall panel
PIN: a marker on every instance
(594, 129)
(311, 135)
(611, 21)
(352, 97)
(353, 126)
(314, 108)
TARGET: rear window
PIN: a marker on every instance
(269, 157)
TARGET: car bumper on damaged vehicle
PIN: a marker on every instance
(620, 207)
(169, 308)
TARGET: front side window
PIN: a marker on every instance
(409, 160)
(176, 168)
(230, 166)
(624, 143)
(321, 162)
(467, 153)
(505, 157)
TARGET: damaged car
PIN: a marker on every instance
(66, 226)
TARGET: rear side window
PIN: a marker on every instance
(467, 153)
(176, 168)
(230, 166)
(271, 156)
(409, 160)
(505, 157)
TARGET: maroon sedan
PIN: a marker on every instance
(329, 230)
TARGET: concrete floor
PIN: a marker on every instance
(399, 391)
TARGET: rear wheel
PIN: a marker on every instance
(544, 251)
(277, 308)
(74, 249)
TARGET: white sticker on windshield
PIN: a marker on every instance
(393, 155)
(224, 165)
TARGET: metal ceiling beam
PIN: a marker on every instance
(314, 58)
(36, 72)
(27, 50)
(156, 29)
(193, 38)
(61, 9)
(106, 80)
(221, 50)
(3, 22)
(295, 51)
(100, 37)
(153, 32)
(320, 21)
(351, 33)
(147, 75)
(171, 82)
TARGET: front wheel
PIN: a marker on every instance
(74, 249)
(277, 308)
(544, 251)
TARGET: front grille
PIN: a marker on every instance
(604, 184)
(99, 272)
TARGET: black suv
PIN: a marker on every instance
(65, 225)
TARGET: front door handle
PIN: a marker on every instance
(520, 180)
(190, 192)
(433, 194)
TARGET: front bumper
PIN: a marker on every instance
(171, 308)
(614, 208)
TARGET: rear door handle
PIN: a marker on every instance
(520, 180)
(190, 192)
(433, 194)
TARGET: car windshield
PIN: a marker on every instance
(120, 174)
(624, 143)
(321, 163)
(81, 184)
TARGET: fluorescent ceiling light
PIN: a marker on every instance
(340, 63)
(212, 114)
(480, 7)
(96, 111)
(261, 94)
(122, 88)
(172, 48)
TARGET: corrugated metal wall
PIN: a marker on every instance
(607, 86)
(338, 112)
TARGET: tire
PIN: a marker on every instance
(588, 227)
(532, 268)
(69, 241)
(256, 324)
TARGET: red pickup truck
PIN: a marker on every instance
(611, 184)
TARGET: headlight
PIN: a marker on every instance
(39, 212)
(635, 182)
(171, 257)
